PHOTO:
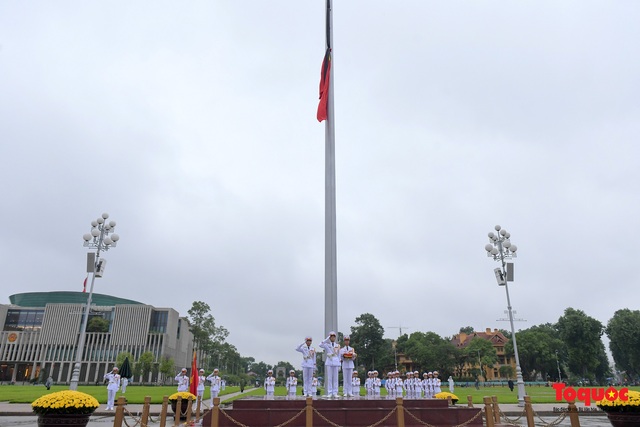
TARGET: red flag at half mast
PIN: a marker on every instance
(84, 287)
(325, 75)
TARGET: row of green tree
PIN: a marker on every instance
(571, 348)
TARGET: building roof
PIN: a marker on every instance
(495, 337)
(41, 299)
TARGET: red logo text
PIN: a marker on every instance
(587, 395)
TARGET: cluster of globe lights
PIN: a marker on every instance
(502, 238)
(99, 226)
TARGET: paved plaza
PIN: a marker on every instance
(16, 414)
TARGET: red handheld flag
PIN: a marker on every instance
(325, 75)
(193, 387)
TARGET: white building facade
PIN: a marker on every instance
(40, 332)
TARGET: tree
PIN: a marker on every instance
(143, 366)
(537, 348)
(98, 324)
(207, 337)
(466, 330)
(623, 331)
(429, 352)
(367, 339)
(482, 354)
(581, 335)
(167, 367)
(123, 355)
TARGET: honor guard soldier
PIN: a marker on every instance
(399, 384)
(347, 355)
(201, 381)
(183, 380)
(314, 385)
(436, 383)
(355, 384)
(417, 384)
(408, 385)
(269, 384)
(332, 364)
(377, 383)
(292, 384)
(112, 387)
(308, 364)
(216, 384)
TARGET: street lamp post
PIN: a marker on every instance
(101, 238)
(500, 249)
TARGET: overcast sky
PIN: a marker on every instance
(193, 124)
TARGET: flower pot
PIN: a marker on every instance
(624, 419)
(183, 410)
(60, 420)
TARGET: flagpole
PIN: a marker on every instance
(330, 268)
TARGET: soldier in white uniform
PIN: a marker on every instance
(417, 385)
(314, 385)
(292, 384)
(389, 385)
(368, 384)
(331, 364)
(377, 383)
(355, 384)
(216, 383)
(399, 384)
(269, 385)
(436, 383)
(308, 364)
(408, 385)
(201, 381)
(183, 380)
(347, 355)
(112, 387)
(427, 384)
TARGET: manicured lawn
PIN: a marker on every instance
(136, 394)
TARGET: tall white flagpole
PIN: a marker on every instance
(330, 258)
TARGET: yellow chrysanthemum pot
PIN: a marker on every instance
(64, 408)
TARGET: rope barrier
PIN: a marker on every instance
(469, 421)
(509, 421)
(555, 422)
(377, 423)
(239, 424)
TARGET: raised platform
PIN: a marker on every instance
(350, 412)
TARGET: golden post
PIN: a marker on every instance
(144, 420)
(488, 411)
(529, 411)
(309, 412)
(400, 412)
(119, 412)
(215, 416)
(163, 411)
(573, 414)
(496, 409)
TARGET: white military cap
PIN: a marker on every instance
(201, 370)
(308, 337)
(292, 371)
